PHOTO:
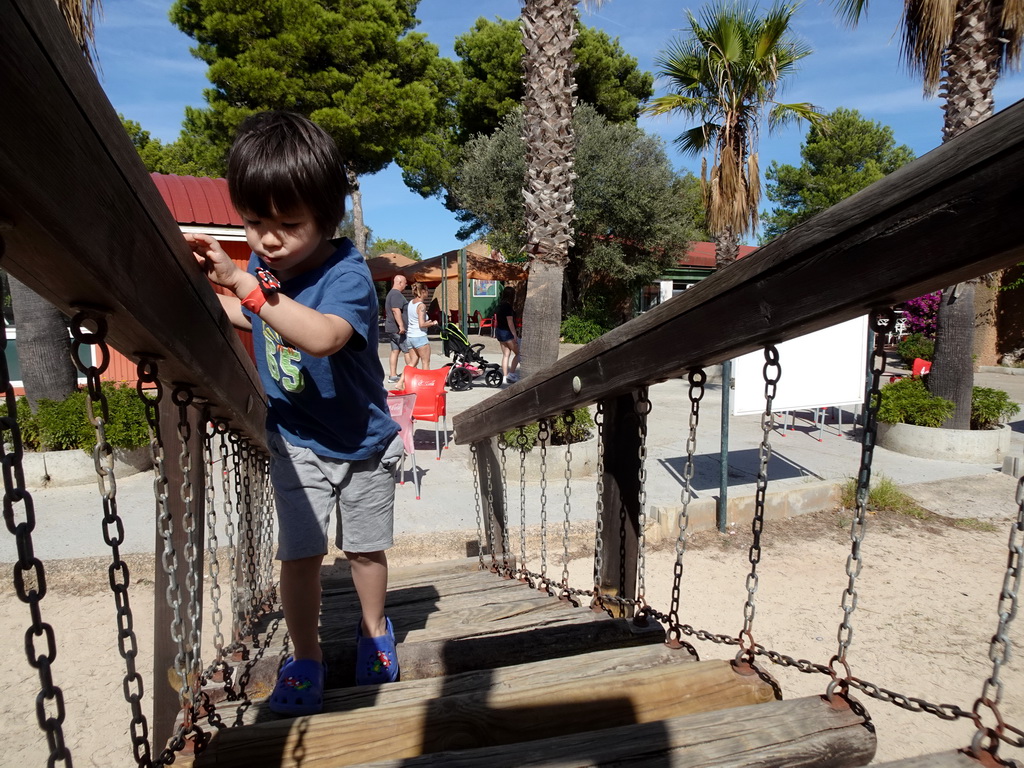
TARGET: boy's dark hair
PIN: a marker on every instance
(281, 160)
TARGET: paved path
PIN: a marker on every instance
(68, 519)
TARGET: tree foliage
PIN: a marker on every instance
(490, 87)
(633, 213)
(852, 154)
(390, 245)
(353, 66)
(725, 75)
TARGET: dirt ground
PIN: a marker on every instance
(926, 610)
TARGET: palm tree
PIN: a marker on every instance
(959, 47)
(549, 29)
(725, 74)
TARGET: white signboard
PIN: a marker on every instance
(819, 369)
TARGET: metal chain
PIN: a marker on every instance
(29, 572)
(643, 409)
(221, 428)
(543, 433)
(523, 443)
(771, 371)
(506, 568)
(267, 525)
(476, 499)
(112, 524)
(238, 599)
(490, 516)
(697, 378)
(568, 419)
(250, 522)
(599, 520)
(879, 322)
(1001, 646)
(212, 549)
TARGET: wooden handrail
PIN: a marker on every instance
(949, 216)
(79, 212)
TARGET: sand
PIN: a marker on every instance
(927, 600)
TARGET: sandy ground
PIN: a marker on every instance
(927, 607)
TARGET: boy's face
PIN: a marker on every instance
(289, 243)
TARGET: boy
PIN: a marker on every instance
(312, 308)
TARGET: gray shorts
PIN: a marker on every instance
(400, 342)
(308, 488)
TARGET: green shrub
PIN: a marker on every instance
(562, 433)
(914, 346)
(907, 401)
(579, 330)
(64, 425)
(883, 494)
(991, 407)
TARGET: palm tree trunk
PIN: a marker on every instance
(44, 347)
(727, 248)
(970, 76)
(549, 29)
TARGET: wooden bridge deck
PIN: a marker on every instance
(496, 673)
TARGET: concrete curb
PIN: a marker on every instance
(788, 502)
(49, 469)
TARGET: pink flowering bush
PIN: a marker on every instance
(920, 314)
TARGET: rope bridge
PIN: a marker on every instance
(505, 659)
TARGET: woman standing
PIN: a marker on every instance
(417, 324)
(507, 336)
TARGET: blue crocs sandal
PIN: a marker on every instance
(376, 658)
(300, 688)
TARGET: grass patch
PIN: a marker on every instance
(973, 524)
(884, 495)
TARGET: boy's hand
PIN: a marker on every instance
(215, 263)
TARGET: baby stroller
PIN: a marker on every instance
(467, 362)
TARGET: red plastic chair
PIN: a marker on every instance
(402, 407)
(921, 367)
(488, 322)
(431, 399)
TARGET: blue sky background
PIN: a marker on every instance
(150, 76)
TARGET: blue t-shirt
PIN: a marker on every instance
(336, 405)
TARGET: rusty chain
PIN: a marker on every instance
(506, 568)
(599, 519)
(568, 419)
(643, 409)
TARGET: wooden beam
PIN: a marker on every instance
(82, 223)
(557, 705)
(951, 215)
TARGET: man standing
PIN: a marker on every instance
(394, 325)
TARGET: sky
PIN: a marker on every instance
(149, 76)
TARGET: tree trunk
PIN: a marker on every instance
(358, 225)
(542, 317)
(549, 29)
(970, 74)
(44, 347)
(986, 306)
(727, 248)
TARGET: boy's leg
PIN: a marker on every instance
(300, 600)
(370, 578)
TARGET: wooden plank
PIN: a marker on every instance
(83, 223)
(339, 575)
(450, 656)
(803, 733)
(951, 759)
(589, 667)
(948, 216)
(476, 719)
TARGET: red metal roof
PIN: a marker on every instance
(197, 200)
(702, 254)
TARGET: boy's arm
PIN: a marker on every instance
(309, 330)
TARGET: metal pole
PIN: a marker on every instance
(463, 294)
(723, 482)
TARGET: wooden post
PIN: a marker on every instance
(166, 695)
(492, 497)
(621, 498)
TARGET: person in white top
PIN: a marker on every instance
(417, 324)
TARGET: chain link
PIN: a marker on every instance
(475, 454)
(29, 572)
(523, 444)
(506, 568)
(771, 371)
(599, 520)
(568, 419)
(697, 378)
(491, 537)
(643, 409)
(112, 525)
(543, 434)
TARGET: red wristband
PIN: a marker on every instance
(255, 300)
